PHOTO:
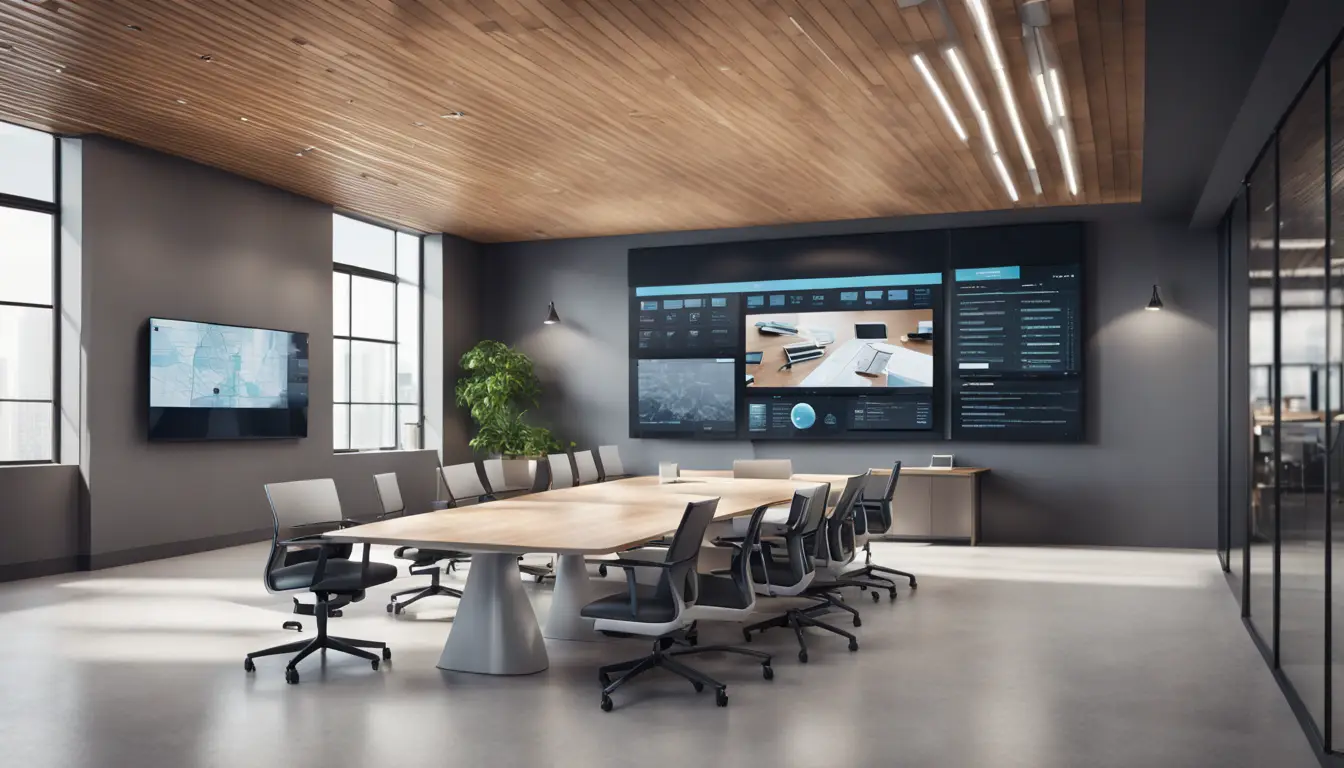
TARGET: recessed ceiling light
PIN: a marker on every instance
(244, 119)
(134, 28)
(60, 68)
(181, 101)
(207, 57)
(454, 115)
(304, 151)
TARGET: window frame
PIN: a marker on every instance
(53, 209)
(396, 281)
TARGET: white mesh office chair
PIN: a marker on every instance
(587, 468)
(562, 474)
(423, 562)
(763, 469)
(464, 485)
(609, 459)
(312, 504)
(506, 478)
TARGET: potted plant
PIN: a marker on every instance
(497, 386)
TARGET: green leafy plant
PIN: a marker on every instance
(497, 386)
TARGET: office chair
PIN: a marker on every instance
(729, 595)
(661, 611)
(792, 576)
(609, 463)
(464, 485)
(875, 517)
(834, 548)
(587, 468)
(424, 562)
(541, 481)
(498, 483)
(311, 503)
(562, 474)
(763, 469)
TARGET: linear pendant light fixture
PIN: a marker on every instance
(969, 89)
(989, 40)
(1044, 68)
(931, 79)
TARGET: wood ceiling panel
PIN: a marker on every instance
(582, 117)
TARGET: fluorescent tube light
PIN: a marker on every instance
(938, 93)
(1066, 158)
(1044, 97)
(989, 40)
(1004, 177)
(1059, 92)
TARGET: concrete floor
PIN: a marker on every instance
(1029, 657)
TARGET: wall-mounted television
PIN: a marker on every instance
(226, 382)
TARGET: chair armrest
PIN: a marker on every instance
(628, 564)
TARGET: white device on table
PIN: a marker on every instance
(668, 472)
(941, 461)
(872, 359)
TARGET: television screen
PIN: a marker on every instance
(226, 382)
(687, 396)
(875, 348)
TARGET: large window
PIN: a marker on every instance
(376, 334)
(27, 295)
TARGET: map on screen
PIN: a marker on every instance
(200, 365)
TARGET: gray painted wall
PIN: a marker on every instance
(1146, 477)
(161, 236)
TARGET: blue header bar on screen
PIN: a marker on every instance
(989, 273)
(800, 284)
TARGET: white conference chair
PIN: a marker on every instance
(587, 467)
(464, 485)
(609, 457)
(562, 474)
(763, 469)
(507, 478)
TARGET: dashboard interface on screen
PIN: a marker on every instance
(786, 359)
(1017, 352)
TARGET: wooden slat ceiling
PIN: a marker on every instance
(582, 117)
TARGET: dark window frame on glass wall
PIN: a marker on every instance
(397, 279)
(1290, 360)
(51, 209)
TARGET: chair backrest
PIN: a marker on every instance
(295, 503)
(609, 457)
(389, 493)
(680, 581)
(304, 502)
(763, 469)
(464, 483)
(541, 480)
(839, 540)
(562, 474)
(740, 569)
(890, 490)
(806, 512)
(587, 466)
(494, 475)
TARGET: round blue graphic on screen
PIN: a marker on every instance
(803, 416)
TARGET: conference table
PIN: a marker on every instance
(495, 631)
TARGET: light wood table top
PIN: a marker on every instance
(840, 479)
(588, 520)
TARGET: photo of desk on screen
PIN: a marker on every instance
(841, 349)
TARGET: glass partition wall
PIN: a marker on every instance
(1284, 324)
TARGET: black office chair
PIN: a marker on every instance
(661, 611)
(793, 575)
(875, 516)
(307, 504)
(833, 549)
(423, 562)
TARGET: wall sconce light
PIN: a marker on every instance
(552, 318)
(1155, 303)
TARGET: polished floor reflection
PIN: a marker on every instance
(1004, 657)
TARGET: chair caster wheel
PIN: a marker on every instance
(387, 654)
(699, 686)
(876, 597)
(374, 664)
(890, 595)
(721, 697)
(858, 622)
(693, 640)
(746, 636)
(335, 614)
(248, 666)
(294, 625)
(768, 672)
(291, 676)
(802, 656)
(605, 680)
(539, 578)
(853, 645)
(391, 607)
(606, 703)
(602, 571)
(914, 584)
